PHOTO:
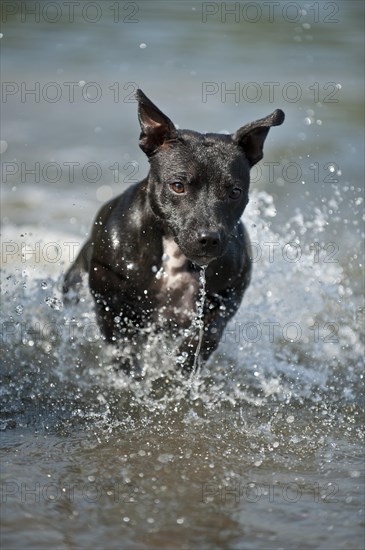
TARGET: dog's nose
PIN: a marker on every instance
(209, 240)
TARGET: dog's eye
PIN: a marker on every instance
(235, 193)
(177, 187)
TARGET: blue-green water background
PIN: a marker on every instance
(276, 422)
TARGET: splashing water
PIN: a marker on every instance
(198, 321)
(295, 337)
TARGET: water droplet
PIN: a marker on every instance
(165, 457)
(161, 273)
(180, 359)
(44, 285)
(19, 309)
(54, 302)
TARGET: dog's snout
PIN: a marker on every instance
(209, 240)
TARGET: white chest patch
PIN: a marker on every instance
(178, 285)
(174, 263)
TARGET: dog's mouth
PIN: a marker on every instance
(200, 254)
(202, 260)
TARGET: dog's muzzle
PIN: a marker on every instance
(204, 246)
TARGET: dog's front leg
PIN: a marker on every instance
(218, 311)
(121, 328)
(119, 319)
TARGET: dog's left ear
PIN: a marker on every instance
(251, 137)
(156, 127)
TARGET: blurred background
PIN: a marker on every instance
(264, 449)
(70, 69)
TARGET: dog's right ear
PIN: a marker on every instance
(156, 127)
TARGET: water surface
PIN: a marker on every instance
(264, 448)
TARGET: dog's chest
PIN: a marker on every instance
(176, 284)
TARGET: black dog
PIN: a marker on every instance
(147, 245)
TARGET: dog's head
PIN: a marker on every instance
(198, 183)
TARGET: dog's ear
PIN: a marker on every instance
(251, 137)
(156, 127)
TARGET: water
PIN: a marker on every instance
(264, 447)
(199, 322)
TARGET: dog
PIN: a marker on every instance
(149, 244)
